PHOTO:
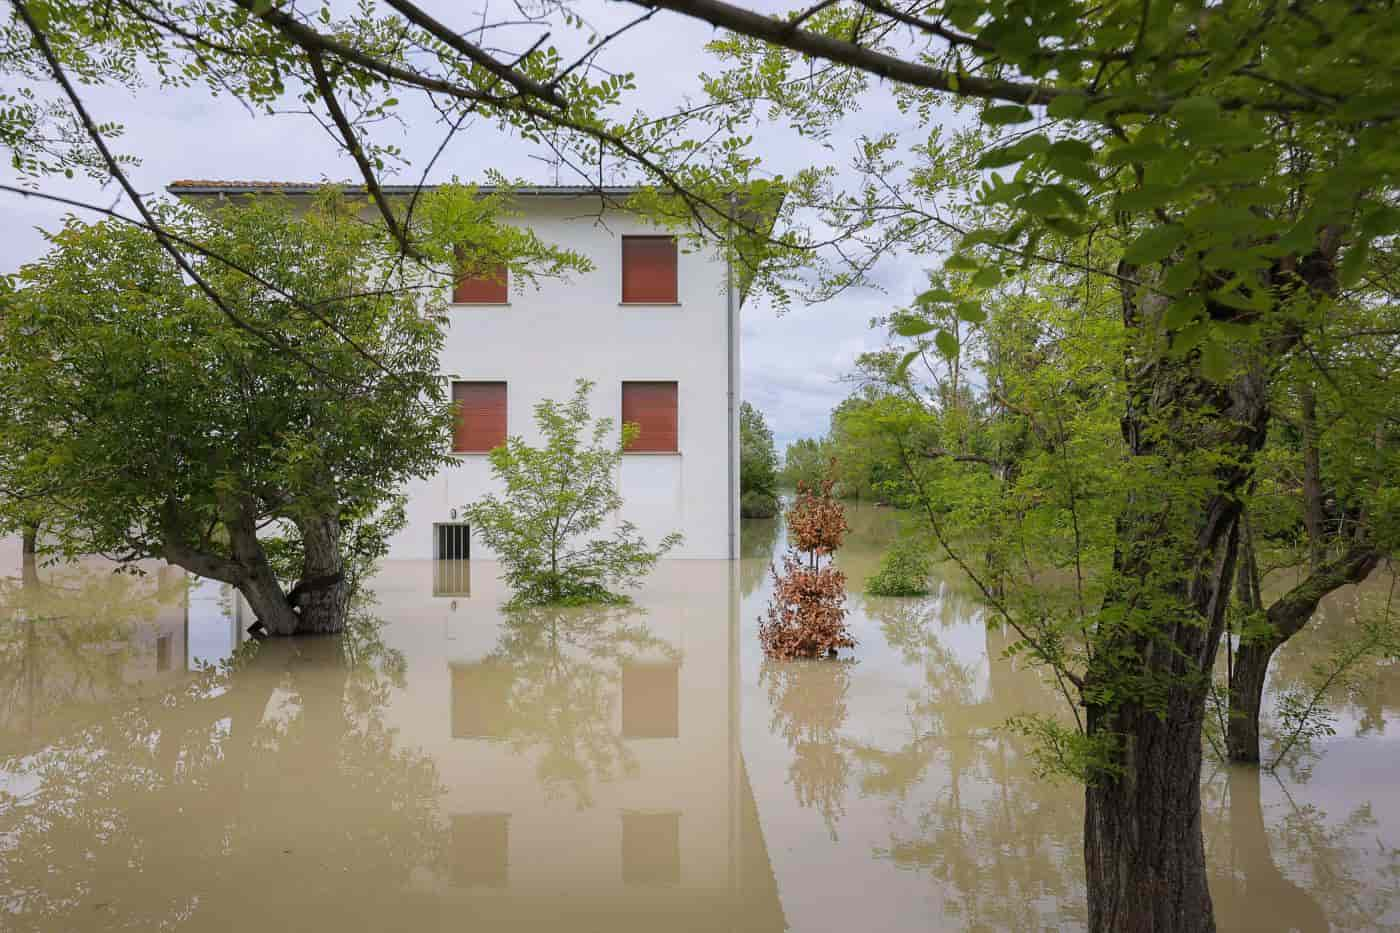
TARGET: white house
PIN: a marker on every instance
(653, 325)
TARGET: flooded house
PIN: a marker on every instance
(654, 325)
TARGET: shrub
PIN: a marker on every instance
(903, 571)
(807, 615)
(556, 497)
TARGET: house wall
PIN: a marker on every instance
(559, 331)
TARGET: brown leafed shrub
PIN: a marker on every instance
(816, 522)
(807, 616)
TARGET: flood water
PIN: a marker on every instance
(446, 766)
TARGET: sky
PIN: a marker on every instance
(793, 363)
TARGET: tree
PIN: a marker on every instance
(1321, 499)
(807, 614)
(758, 465)
(805, 463)
(151, 423)
(1240, 197)
(555, 497)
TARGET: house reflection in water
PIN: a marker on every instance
(590, 758)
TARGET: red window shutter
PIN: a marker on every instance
(651, 406)
(491, 287)
(649, 269)
(481, 416)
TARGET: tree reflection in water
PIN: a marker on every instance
(758, 538)
(807, 700)
(558, 674)
(68, 641)
(1004, 844)
(170, 811)
(1297, 869)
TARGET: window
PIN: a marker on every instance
(649, 270)
(163, 653)
(454, 542)
(650, 701)
(651, 406)
(480, 850)
(490, 287)
(481, 417)
(651, 848)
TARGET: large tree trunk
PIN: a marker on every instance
(1286, 617)
(1145, 688)
(322, 596)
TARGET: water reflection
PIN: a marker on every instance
(446, 764)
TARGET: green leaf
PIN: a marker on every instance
(971, 311)
(1353, 264)
(947, 344)
(986, 277)
(912, 327)
(1067, 106)
(902, 369)
(1215, 360)
(1072, 149)
(959, 262)
(1005, 114)
(1154, 244)
(934, 296)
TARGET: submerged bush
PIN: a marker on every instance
(807, 615)
(903, 571)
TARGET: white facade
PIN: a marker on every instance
(562, 330)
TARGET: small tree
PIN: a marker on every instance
(556, 497)
(807, 616)
(758, 465)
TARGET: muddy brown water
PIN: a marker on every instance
(447, 766)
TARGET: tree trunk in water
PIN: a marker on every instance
(322, 596)
(1246, 699)
(1145, 688)
(1143, 851)
(1286, 617)
(29, 560)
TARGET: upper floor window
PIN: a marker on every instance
(480, 424)
(649, 270)
(651, 406)
(488, 287)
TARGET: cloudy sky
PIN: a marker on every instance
(793, 363)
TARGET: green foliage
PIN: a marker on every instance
(556, 497)
(903, 570)
(806, 463)
(758, 465)
(151, 422)
(1061, 751)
